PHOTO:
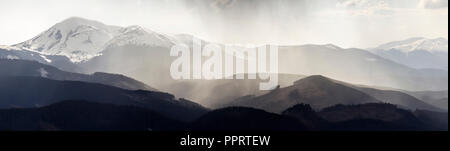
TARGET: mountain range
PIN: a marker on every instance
(10, 67)
(436, 98)
(358, 66)
(418, 52)
(28, 91)
(73, 115)
(88, 46)
(118, 78)
(321, 92)
(33, 102)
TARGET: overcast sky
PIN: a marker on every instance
(346, 23)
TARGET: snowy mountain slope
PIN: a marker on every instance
(137, 35)
(77, 38)
(82, 39)
(62, 62)
(147, 56)
(417, 43)
(416, 52)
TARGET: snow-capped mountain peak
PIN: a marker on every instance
(77, 38)
(81, 39)
(137, 35)
(331, 46)
(417, 44)
(419, 52)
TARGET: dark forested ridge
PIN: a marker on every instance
(362, 117)
(10, 67)
(87, 115)
(26, 92)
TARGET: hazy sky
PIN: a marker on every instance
(346, 23)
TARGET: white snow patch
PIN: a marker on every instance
(46, 59)
(9, 48)
(43, 72)
(137, 35)
(332, 46)
(413, 44)
(5, 47)
(11, 57)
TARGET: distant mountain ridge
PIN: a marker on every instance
(321, 92)
(26, 92)
(34, 69)
(417, 52)
(15, 53)
(358, 66)
(144, 55)
(436, 98)
(317, 91)
(417, 43)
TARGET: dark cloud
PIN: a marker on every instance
(433, 4)
(223, 4)
(248, 5)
